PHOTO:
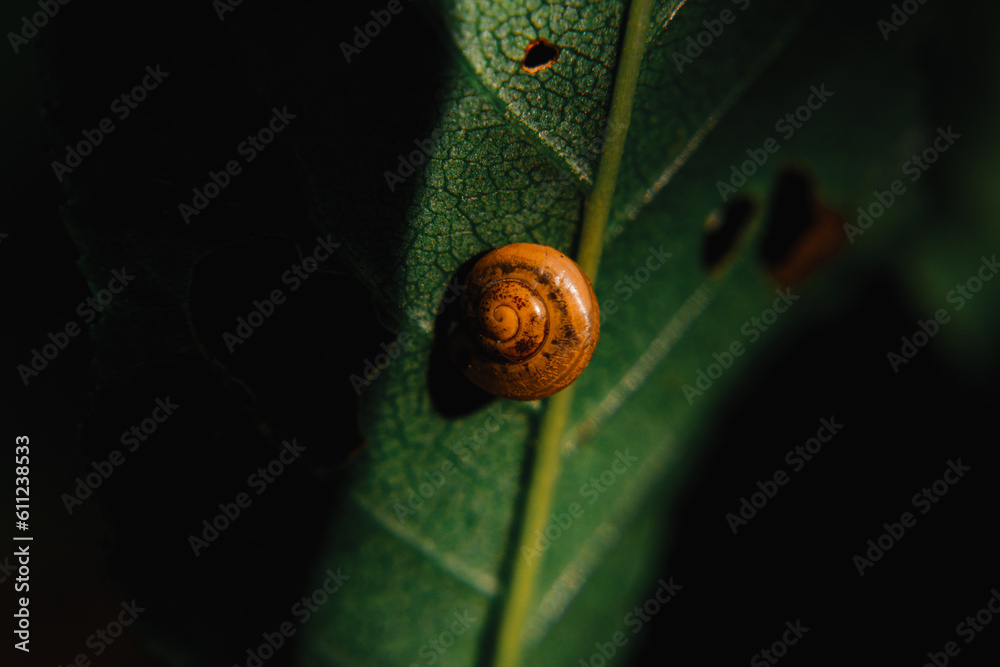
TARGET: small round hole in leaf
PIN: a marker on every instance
(539, 54)
(723, 231)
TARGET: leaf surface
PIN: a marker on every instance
(515, 160)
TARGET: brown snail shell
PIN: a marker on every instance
(529, 322)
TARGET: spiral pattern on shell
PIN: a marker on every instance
(530, 322)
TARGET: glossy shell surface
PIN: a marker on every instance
(529, 322)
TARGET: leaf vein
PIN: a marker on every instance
(483, 582)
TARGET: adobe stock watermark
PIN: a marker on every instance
(223, 7)
(374, 367)
(37, 21)
(301, 610)
(633, 282)
(59, 341)
(362, 38)
(752, 329)
(466, 448)
(967, 629)
(122, 107)
(923, 500)
(294, 276)
(438, 476)
(797, 458)
(132, 438)
(559, 524)
(915, 167)
(248, 149)
(787, 125)
(452, 291)
(432, 650)
(22, 623)
(779, 649)
(898, 17)
(6, 569)
(635, 620)
(927, 329)
(407, 166)
(697, 44)
(104, 638)
(258, 481)
(568, 180)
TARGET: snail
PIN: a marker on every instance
(529, 322)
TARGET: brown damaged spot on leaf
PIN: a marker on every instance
(801, 233)
(538, 55)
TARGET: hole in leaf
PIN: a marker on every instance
(723, 230)
(791, 214)
(539, 54)
(801, 233)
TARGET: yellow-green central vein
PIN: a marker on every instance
(597, 208)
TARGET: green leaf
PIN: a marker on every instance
(434, 512)
(419, 552)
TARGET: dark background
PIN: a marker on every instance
(793, 561)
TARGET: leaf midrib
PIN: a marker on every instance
(647, 362)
